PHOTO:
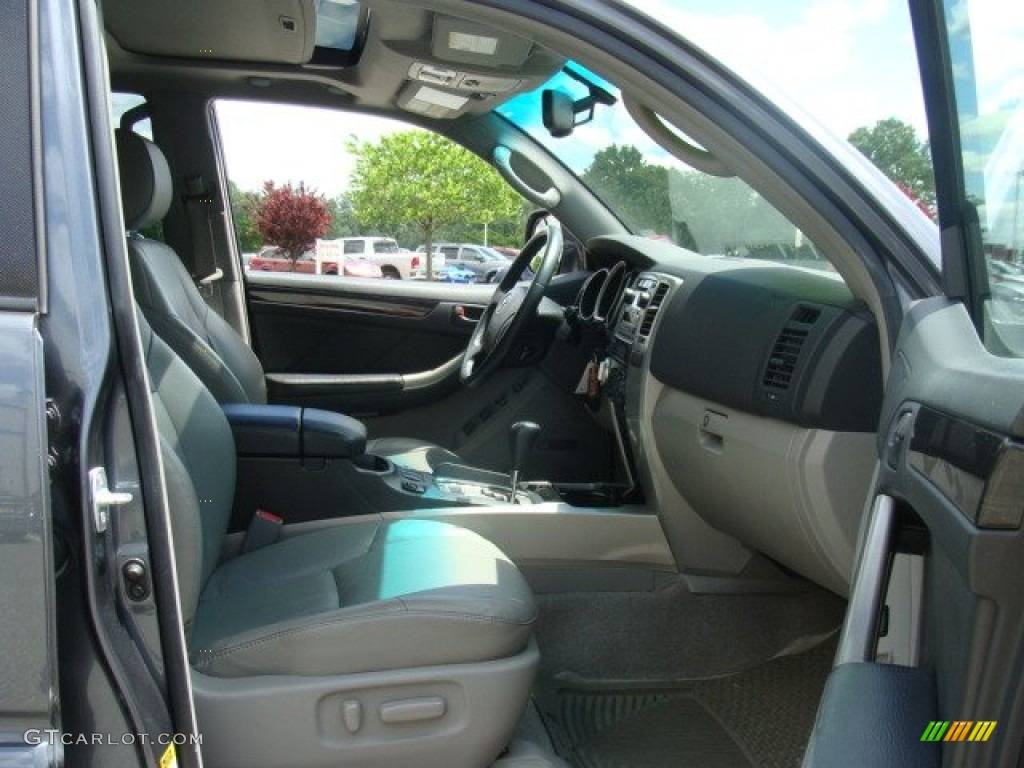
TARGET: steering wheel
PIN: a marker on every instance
(511, 307)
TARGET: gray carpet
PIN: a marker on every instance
(674, 635)
(676, 732)
(759, 718)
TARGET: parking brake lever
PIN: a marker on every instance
(522, 436)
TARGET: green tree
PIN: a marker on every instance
(243, 203)
(343, 218)
(421, 178)
(632, 187)
(291, 217)
(894, 148)
(723, 215)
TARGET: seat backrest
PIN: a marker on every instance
(198, 453)
(164, 290)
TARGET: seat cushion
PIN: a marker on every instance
(361, 597)
(410, 453)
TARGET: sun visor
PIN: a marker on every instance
(272, 31)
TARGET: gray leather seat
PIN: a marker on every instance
(410, 593)
(377, 600)
(178, 314)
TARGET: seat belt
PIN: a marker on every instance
(264, 529)
(198, 201)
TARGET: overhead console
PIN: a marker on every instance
(458, 66)
(787, 346)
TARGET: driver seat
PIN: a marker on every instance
(176, 311)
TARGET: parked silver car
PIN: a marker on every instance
(482, 261)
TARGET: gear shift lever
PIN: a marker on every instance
(522, 436)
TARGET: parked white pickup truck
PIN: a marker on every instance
(395, 263)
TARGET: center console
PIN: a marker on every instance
(305, 464)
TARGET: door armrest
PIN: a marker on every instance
(874, 714)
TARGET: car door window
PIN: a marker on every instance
(382, 214)
(985, 40)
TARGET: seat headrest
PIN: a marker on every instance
(146, 186)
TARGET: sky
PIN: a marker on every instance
(847, 62)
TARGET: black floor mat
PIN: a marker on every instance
(662, 730)
(761, 717)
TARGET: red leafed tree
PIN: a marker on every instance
(929, 210)
(291, 218)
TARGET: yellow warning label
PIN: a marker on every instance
(169, 759)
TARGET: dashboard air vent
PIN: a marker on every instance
(657, 299)
(782, 361)
(778, 374)
(805, 315)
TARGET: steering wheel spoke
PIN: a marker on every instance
(511, 307)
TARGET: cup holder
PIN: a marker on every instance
(371, 462)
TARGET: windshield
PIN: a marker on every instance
(652, 192)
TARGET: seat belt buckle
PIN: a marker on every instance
(264, 529)
(205, 284)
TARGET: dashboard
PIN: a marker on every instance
(745, 397)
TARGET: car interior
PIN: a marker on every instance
(604, 512)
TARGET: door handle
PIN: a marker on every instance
(466, 314)
(711, 432)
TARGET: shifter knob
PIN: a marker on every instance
(522, 436)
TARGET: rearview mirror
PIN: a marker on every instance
(561, 113)
(558, 113)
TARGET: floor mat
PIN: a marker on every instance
(675, 634)
(662, 730)
(758, 718)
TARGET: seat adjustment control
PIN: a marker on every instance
(413, 710)
(352, 715)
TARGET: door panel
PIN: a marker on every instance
(959, 468)
(364, 345)
(950, 491)
(950, 488)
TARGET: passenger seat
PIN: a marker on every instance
(370, 642)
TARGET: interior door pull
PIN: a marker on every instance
(470, 315)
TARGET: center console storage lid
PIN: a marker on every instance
(290, 431)
(331, 435)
